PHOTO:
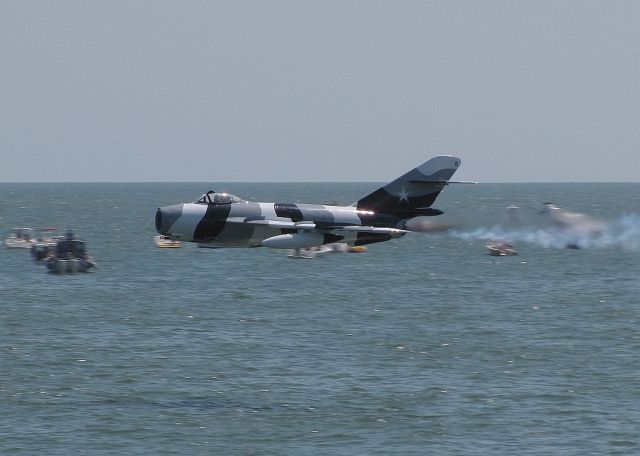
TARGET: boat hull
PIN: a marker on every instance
(69, 266)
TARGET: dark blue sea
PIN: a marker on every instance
(423, 345)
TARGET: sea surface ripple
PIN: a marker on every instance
(422, 345)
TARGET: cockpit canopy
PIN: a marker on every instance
(212, 197)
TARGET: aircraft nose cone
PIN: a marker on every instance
(166, 217)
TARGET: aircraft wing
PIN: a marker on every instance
(367, 229)
(308, 225)
(285, 224)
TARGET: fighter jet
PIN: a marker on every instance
(224, 220)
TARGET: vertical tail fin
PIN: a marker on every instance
(413, 193)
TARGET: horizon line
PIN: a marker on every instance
(293, 182)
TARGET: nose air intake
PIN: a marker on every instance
(166, 217)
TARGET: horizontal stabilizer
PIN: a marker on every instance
(441, 182)
(419, 212)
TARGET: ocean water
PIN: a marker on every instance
(421, 345)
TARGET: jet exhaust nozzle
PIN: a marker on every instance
(294, 241)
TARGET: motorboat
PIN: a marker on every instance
(335, 247)
(166, 243)
(21, 238)
(311, 252)
(69, 256)
(501, 249)
(45, 243)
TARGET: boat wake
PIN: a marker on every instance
(623, 233)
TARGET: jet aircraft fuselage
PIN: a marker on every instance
(248, 224)
(224, 220)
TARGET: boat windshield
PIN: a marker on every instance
(22, 233)
(70, 248)
(212, 197)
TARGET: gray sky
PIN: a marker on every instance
(320, 91)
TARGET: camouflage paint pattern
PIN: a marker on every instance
(223, 220)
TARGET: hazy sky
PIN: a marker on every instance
(318, 90)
